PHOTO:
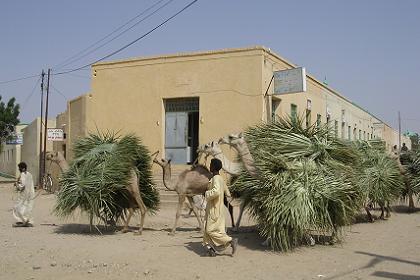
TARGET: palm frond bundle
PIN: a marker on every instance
(378, 175)
(97, 179)
(304, 183)
(411, 162)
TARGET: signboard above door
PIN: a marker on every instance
(290, 81)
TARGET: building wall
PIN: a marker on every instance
(77, 123)
(353, 122)
(11, 156)
(30, 148)
(128, 96)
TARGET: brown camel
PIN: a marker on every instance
(189, 183)
(135, 200)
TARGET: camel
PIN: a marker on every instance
(213, 149)
(237, 142)
(189, 183)
(135, 200)
(232, 168)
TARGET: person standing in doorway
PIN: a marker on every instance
(404, 148)
(22, 211)
(215, 237)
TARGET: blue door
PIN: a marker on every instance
(176, 137)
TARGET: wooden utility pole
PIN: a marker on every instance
(399, 131)
(41, 159)
(46, 121)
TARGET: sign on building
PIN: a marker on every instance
(290, 81)
(17, 139)
(55, 134)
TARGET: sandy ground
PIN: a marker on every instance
(56, 249)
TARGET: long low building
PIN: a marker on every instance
(176, 102)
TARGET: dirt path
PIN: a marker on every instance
(56, 249)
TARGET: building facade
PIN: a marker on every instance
(176, 102)
(30, 150)
(11, 154)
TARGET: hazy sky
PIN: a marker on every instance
(369, 50)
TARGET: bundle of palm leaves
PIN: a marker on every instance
(304, 182)
(378, 175)
(97, 179)
(411, 163)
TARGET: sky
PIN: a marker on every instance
(368, 50)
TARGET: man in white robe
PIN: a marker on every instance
(22, 211)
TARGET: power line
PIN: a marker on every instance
(18, 79)
(30, 95)
(132, 42)
(74, 57)
(59, 92)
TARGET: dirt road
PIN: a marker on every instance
(57, 249)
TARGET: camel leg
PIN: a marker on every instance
(382, 217)
(195, 210)
(181, 199)
(137, 196)
(90, 222)
(230, 208)
(388, 211)
(241, 211)
(370, 218)
(143, 210)
(127, 220)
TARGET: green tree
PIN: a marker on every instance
(9, 118)
(415, 141)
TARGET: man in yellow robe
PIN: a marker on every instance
(215, 237)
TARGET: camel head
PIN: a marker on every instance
(212, 149)
(234, 139)
(162, 162)
(52, 156)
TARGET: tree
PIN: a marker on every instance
(9, 118)
(415, 141)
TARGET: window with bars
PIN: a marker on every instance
(336, 128)
(182, 105)
(293, 112)
(318, 120)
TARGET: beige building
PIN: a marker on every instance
(176, 102)
(11, 154)
(30, 149)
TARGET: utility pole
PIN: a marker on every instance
(46, 120)
(399, 131)
(41, 160)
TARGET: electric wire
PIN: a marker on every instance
(30, 94)
(18, 79)
(77, 57)
(132, 42)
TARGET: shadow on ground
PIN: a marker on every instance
(397, 276)
(85, 229)
(404, 209)
(376, 259)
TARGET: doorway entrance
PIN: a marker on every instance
(181, 129)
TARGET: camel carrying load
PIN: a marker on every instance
(298, 182)
(109, 178)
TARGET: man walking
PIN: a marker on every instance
(215, 237)
(22, 211)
